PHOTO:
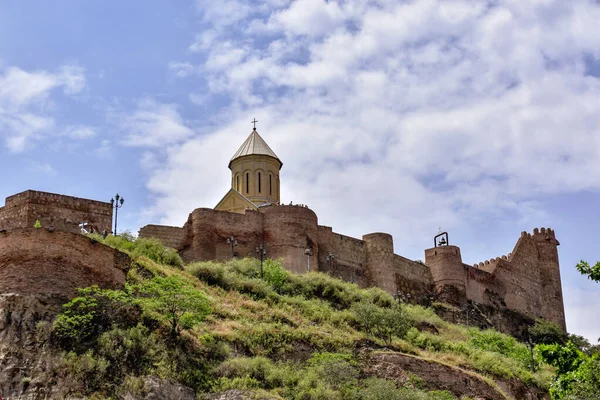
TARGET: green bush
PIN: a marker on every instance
(91, 313)
(383, 323)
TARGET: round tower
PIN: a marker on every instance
(289, 231)
(255, 171)
(380, 260)
(447, 271)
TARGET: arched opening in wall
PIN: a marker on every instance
(247, 182)
(259, 183)
(270, 184)
(237, 182)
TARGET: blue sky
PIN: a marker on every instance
(396, 116)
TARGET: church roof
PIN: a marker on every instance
(255, 144)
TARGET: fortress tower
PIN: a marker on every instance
(254, 177)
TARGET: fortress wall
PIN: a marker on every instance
(62, 212)
(478, 281)
(36, 261)
(412, 277)
(350, 257)
(288, 232)
(208, 230)
(14, 216)
(170, 236)
(380, 261)
(520, 275)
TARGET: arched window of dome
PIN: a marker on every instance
(259, 183)
(247, 182)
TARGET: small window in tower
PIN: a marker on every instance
(259, 183)
(270, 184)
(237, 183)
(247, 182)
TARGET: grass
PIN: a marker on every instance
(263, 335)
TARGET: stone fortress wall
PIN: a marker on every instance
(56, 262)
(527, 281)
(61, 212)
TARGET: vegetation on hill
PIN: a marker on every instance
(220, 326)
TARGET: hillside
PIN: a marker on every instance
(221, 331)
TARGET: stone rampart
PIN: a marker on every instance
(349, 256)
(171, 236)
(288, 232)
(40, 261)
(59, 211)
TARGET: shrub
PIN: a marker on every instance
(93, 312)
(384, 323)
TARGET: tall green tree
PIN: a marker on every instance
(175, 302)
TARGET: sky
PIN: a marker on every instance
(478, 118)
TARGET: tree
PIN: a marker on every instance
(546, 332)
(384, 323)
(174, 301)
(592, 272)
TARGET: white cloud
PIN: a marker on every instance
(182, 69)
(24, 100)
(80, 132)
(153, 124)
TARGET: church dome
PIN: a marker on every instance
(254, 145)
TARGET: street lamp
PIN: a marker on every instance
(116, 203)
(261, 253)
(308, 253)
(233, 242)
(330, 259)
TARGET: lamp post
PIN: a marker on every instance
(308, 253)
(261, 253)
(330, 259)
(116, 203)
(233, 242)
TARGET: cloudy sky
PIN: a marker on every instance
(480, 118)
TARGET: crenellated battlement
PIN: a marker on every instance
(492, 262)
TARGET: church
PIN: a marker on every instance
(254, 177)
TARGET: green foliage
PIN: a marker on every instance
(578, 374)
(383, 323)
(93, 312)
(546, 332)
(493, 341)
(37, 224)
(565, 358)
(147, 247)
(381, 389)
(592, 272)
(274, 274)
(175, 301)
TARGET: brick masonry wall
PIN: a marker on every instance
(288, 232)
(62, 212)
(36, 261)
(350, 256)
(412, 278)
(170, 236)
